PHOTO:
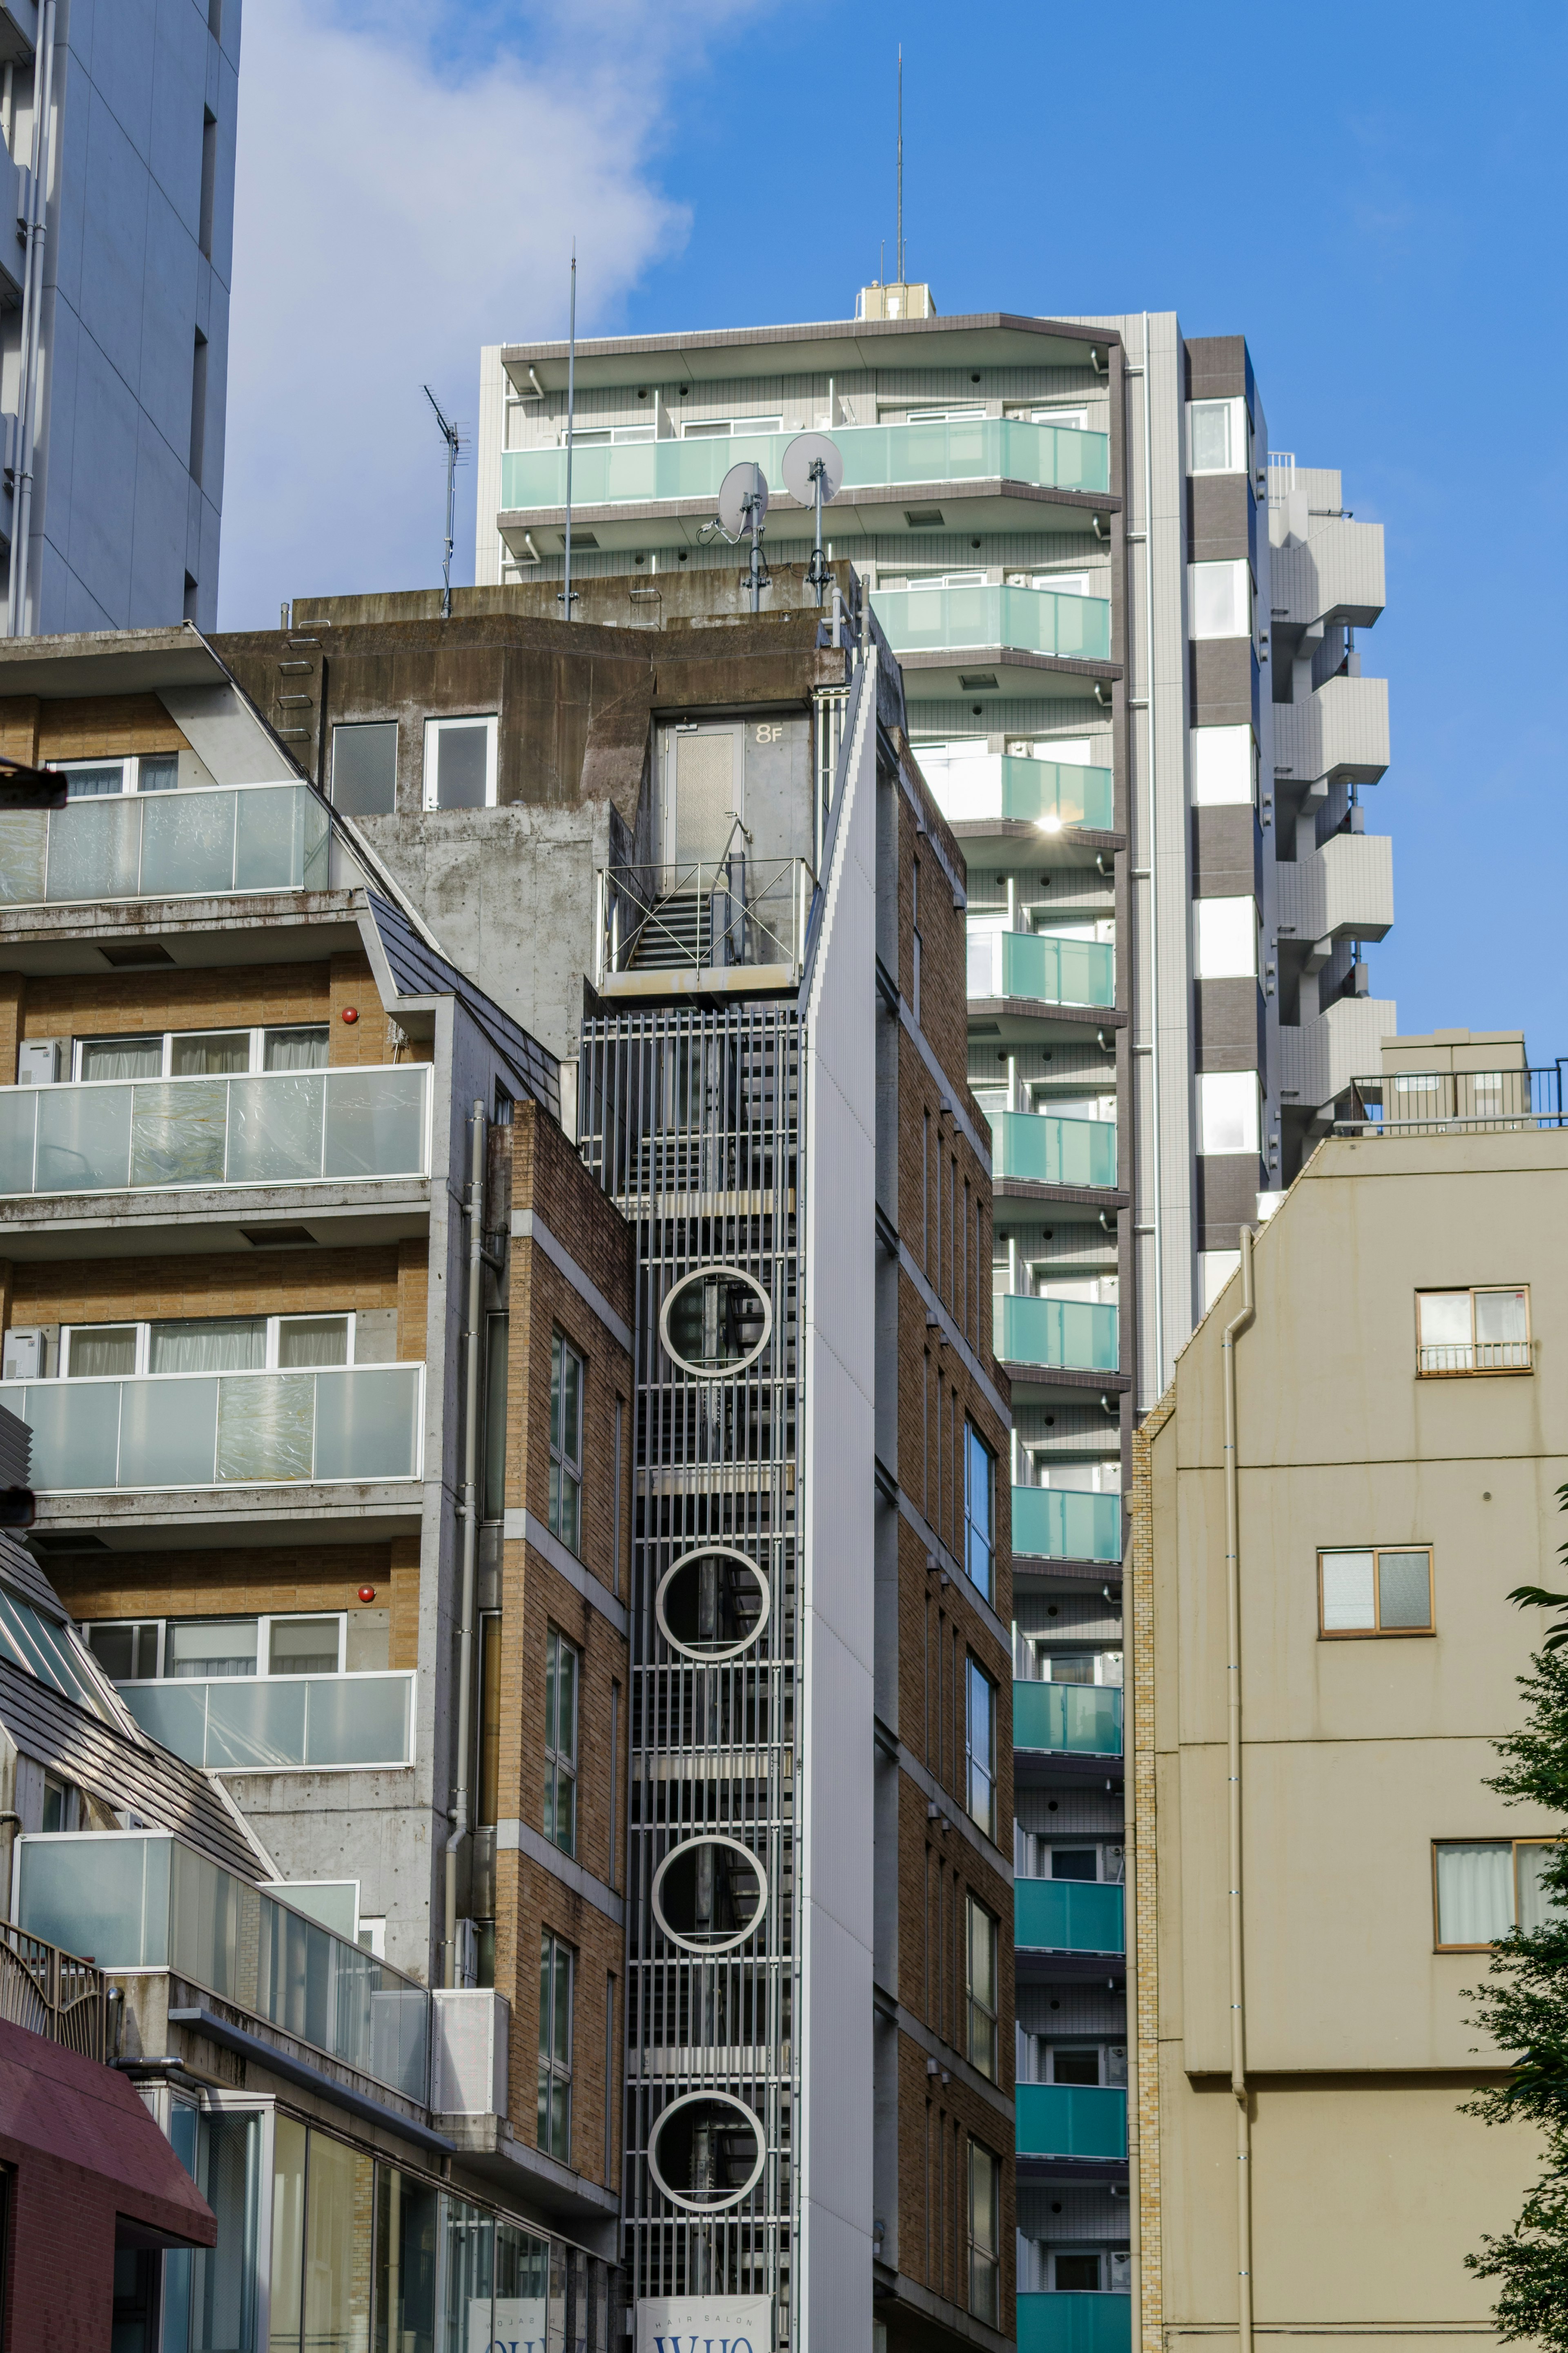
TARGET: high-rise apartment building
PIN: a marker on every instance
(116, 230)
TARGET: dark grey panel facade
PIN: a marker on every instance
(1229, 1025)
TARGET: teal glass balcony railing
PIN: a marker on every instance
(1067, 1719)
(1063, 1524)
(1074, 1334)
(1026, 620)
(274, 1724)
(1071, 2120)
(995, 785)
(980, 448)
(1033, 964)
(143, 1900)
(216, 1429)
(170, 845)
(1067, 1916)
(1064, 2322)
(277, 1127)
(1042, 1150)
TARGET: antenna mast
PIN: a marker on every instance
(901, 163)
(567, 596)
(454, 440)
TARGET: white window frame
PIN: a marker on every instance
(435, 728)
(264, 1622)
(967, 412)
(1240, 436)
(130, 766)
(255, 1067)
(714, 429)
(1065, 419)
(1225, 938)
(143, 1328)
(600, 437)
(1203, 582)
(1222, 1095)
(975, 1769)
(1058, 584)
(1225, 767)
(1521, 1355)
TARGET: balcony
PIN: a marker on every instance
(1071, 1334)
(1064, 1524)
(1037, 1149)
(1047, 970)
(1343, 891)
(1320, 1059)
(1067, 1719)
(995, 619)
(1066, 2322)
(175, 845)
(1342, 730)
(1072, 2120)
(278, 1723)
(1067, 1916)
(53, 1993)
(1336, 575)
(981, 448)
(143, 1900)
(728, 922)
(176, 1430)
(999, 788)
(1455, 1103)
(277, 1127)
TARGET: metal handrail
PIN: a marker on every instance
(747, 912)
(53, 1993)
(1455, 1103)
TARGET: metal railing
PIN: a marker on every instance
(1067, 1719)
(278, 1723)
(1453, 1103)
(1082, 2120)
(190, 843)
(1476, 1356)
(1066, 1524)
(54, 1993)
(1066, 1915)
(704, 916)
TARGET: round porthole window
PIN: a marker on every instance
(709, 1894)
(712, 1603)
(716, 1321)
(706, 2151)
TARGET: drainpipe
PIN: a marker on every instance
(1233, 1331)
(470, 1517)
(1153, 862)
(1130, 1938)
(32, 307)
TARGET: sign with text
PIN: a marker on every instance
(514, 2324)
(705, 2324)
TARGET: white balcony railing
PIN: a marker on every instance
(278, 1724)
(206, 843)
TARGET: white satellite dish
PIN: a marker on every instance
(742, 499)
(810, 460)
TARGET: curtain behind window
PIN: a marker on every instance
(1474, 1892)
(122, 1058)
(314, 1340)
(295, 1049)
(109, 1349)
(234, 1344)
(90, 783)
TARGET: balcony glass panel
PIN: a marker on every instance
(1027, 620)
(1046, 1151)
(167, 845)
(997, 786)
(1071, 2120)
(1076, 1333)
(1067, 2322)
(981, 448)
(246, 1724)
(283, 1127)
(1064, 1524)
(255, 1428)
(1067, 1719)
(1052, 971)
(1066, 1915)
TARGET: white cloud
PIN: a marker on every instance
(392, 214)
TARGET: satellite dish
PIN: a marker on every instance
(805, 452)
(742, 499)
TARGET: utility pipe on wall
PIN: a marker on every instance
(1156, 1204)
(32, 309)
(470, 1508)
(1233, 1331)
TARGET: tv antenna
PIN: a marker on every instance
(901, 163)
(814, 474)
(454, 440)
(742, 506)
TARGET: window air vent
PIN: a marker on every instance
(972, 680)
(582, 539)
(80, 1543)
(278, 1237)
(135, 955)
(924, 518)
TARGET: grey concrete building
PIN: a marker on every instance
(117, 171)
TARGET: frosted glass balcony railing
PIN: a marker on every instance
(1066, 1524)
(274, 1127)
(1051, 794)
(1067, 1916)
(271, 1723)
(980, 448)
(1034, 964)
(1026, 620)
(1041, 1150)
(166, 846)
(216, 1429)
(1067, 1719)
(1071, 2120)
(1075, 1334)
(1071, 2320)
(143, 1900)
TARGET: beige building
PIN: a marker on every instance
(1322, 1632)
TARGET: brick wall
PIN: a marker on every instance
(235, 1581)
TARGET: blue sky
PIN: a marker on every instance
(1377, 203)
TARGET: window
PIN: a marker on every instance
(488, 1778)
(1473, 1332)
(562, 1665)
(200, 1053)
(915, 937)
(566, 1444)
(322, 1643)
(206, 1343)
(982, 1987)
(498, 1333)
(980, 1748)
(712, 427)
(364, 767)
(984, 2233)
(1217, 436)
(128, 1653)
(599, 436)
(1383, 1589)
(44, 1649)
(1220, 599)
(1227, 939)
(198, 404)
(460, 762)
(155, 771)
(1484, 1887)
(1225, 767)
(979, 1509)
(557, 1965)
(1227, 1111)
(210, 181)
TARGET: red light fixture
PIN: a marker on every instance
(351, 1013)
(367, 1593)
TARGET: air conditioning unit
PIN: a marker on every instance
(22, 1355)
(38, 1062)
(468, 2045)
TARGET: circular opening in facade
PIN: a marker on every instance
(715, 1321)
(706, 2151)
(712, 1603)
(709, 1894)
